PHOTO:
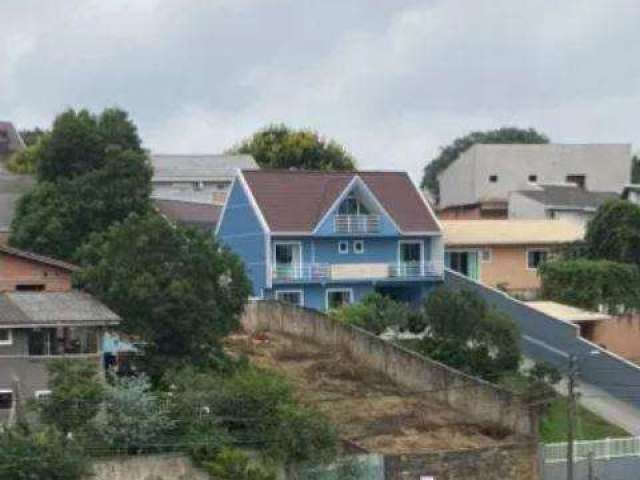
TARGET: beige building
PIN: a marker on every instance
(505, 254)
(478, 183)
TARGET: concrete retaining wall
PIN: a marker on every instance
(147, 467)
(478, 400)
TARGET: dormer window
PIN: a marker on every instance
(352, 206)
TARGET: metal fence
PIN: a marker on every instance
(599, 449)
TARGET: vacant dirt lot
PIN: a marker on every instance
(369, 409)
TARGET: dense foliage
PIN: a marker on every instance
(76, 395)
(175, 288)
(590, 284)
(463, 332)
(257, 410)
(614, 233)
(92, 173)
(375, 313)
(41, 455)
(452, 151)
(278, 146)
(133, 418)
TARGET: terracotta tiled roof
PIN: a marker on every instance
(295, 201)
(34, 257)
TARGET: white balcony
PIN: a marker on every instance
(356, 224)
(319, 272)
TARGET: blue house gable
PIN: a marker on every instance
(322, 239)
(240, 228)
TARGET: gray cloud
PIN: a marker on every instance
(390, 79)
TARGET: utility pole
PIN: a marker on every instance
(590, 474)
(571, 412)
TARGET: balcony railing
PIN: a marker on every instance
(356, 271)
(357, 223)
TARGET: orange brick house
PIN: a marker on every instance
(26, 271)
(505, 254)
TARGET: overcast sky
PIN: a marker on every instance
(392, 80)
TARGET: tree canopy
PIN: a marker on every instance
(175, 288)
(463, 332)
(278, 146)
(452, 151)
(91, 173)
(614, 233)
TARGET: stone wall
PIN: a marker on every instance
(479, 400)
(147, 467)
(517, 462)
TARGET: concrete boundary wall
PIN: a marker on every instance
(475, 398)
(553, 340)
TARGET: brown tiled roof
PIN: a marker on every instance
(295, 201)
(203, 215)
(34, 257)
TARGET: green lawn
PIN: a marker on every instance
(589, 426)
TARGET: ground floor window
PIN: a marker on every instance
(6, 399)
(338, 297)
(290, 296)
(535, 258)
(5, 337)
(464, 262)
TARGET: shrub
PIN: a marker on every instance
(233, 464)
(591, 284)
(134, 420)
(45, 455)
(375, 313)
(464, 333)
(76, 395)
(255, 408)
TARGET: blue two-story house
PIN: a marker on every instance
(320, 240)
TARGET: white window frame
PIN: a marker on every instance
(9, 340)
(332, 290)
(296, 290)
(526, 259)
(489, 258)
(13, 398)
(38, 394)
(287, 242)
(355, 247)
(346, 245)
(402, 242)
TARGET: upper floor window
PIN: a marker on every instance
(493, 178)
(343, 246)
(352, 206)
(358, 246)
(579, 180)
(533, 178)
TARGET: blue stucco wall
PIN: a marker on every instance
(376, 250)
(241, 231)
(386, 228)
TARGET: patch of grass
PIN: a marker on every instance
(589, 426)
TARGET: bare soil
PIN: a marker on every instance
(368, 408)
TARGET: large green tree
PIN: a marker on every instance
(614, 233)
(91, 174)
(452, 151)
(175, 288)
(278, 146)
(464, 332)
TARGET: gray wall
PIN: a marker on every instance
(552, 340)
(478, 400)
(625, 468)
(467, 179)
